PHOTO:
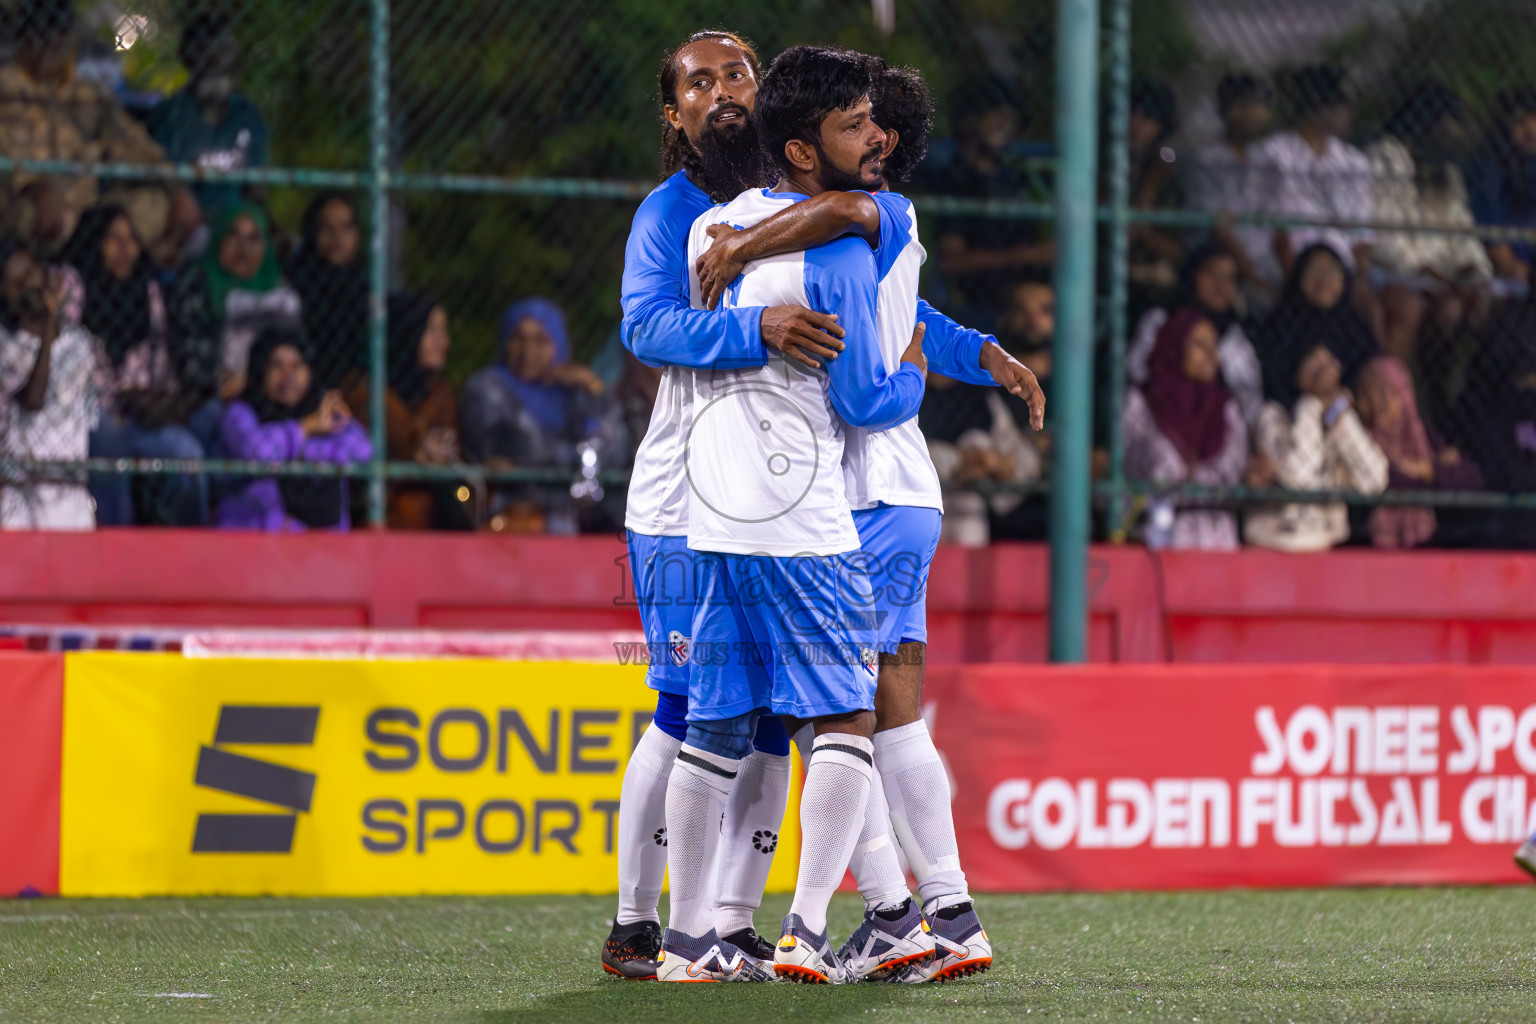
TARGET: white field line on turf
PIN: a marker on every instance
(179, 995)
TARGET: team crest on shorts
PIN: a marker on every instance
(867, 656)
(678, 646)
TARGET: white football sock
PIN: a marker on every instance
(754, 813)
(917, 788)
(642, 826)
(696, 795)
(831, 817)
(875, 867)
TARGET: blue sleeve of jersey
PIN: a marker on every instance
(895, 230)
(840, 278)
(952, 350)
(659, 326)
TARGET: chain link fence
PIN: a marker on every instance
(294, 242)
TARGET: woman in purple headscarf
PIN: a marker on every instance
(535, 408)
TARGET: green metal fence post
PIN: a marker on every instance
(1077, 87)
(1119, 248)
(378, 254)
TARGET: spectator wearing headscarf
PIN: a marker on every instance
(1417, 457)
(1208, 284)
(1184, 426)
(420, 414)
(1313, 437)
(1313, 311)
(533, 407)
(284, 416)
(330, 273)
(117, 299)
(219, 305)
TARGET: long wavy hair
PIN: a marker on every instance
(676, 151)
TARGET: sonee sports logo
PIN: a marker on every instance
(259, 780)
(764, 841)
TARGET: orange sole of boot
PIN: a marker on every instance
(803, 975)
(964, 969)
(628, 977)
(884, 969)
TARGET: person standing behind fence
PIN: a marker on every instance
(1184, 426)
(1503, 183)
(1155, 253)
(208, 124)
(119, 301)
(420, 414)
(284, 416)
(331, 276)
(1321, 178)
(983, 256)
(1417, 182)
(50, 395)
(218, 306)
(1231, 178)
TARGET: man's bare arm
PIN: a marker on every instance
(805, 225)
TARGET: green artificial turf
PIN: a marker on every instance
(1334, 955)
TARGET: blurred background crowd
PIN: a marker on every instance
(1312, 303)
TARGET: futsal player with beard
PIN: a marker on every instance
(894, 491)
(710, 153)
(770, 524)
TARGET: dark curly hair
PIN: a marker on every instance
(676, 151)
(903, 104)
(803, 85)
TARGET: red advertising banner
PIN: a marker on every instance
(1172, 777)
(31, 738)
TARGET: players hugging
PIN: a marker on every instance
(783, 513)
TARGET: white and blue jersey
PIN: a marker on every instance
(764, 453)
(892, 466)
(661, 328)
(786, 616)
(890, 479)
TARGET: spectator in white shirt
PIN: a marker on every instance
(1230, 178)
(1417, 183)
(50, 398)
(1322, 179)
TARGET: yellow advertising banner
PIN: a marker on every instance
(328, 778)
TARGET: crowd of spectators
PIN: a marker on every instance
(152, 320)
(1293, 341)
(1335, 325)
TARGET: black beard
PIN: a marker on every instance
(725, 164)
(835, 179)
